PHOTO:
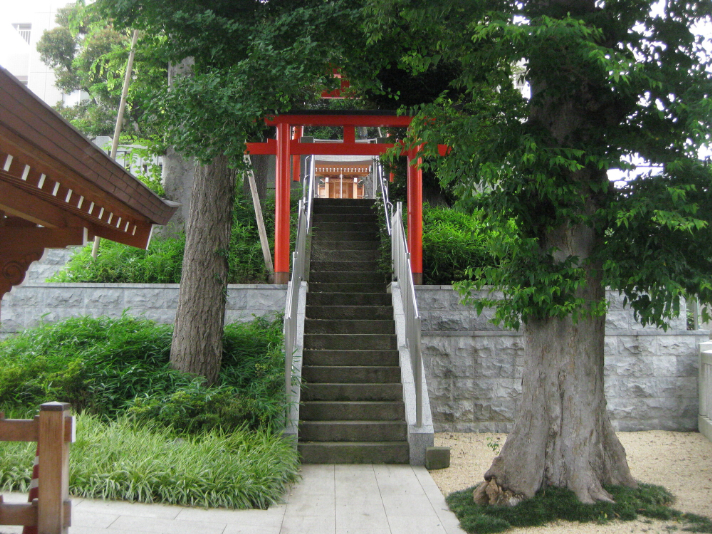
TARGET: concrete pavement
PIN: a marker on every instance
(330, 499)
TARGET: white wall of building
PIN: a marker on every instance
(21, 58)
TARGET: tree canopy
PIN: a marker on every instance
(628, 82)
(88, 54)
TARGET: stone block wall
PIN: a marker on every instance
(474, 368)
(27, 305)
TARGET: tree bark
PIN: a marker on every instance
(197, 338)
(562, 435)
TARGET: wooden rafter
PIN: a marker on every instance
(58, 189)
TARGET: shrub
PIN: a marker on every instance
(453, 241)
(118, 263)
(162, 263)
(102, 365)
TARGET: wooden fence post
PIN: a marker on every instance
(54, 468)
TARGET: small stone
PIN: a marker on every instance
(437, 457)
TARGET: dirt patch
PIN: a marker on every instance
(679, 461)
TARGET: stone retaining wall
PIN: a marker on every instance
(27, 305)
(474, 369)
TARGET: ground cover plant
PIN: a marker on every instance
(146, 431)
(553, 504)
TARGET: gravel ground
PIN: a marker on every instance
(679, 461)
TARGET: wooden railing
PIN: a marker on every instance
(704, 421)
(53, 430)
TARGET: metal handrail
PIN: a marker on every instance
(403, 274)
(298, 275)
(387, 206)
(400, 261)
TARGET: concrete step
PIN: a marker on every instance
(359, 210)
(373, 313)
(352, 392)
(341, 287)
(357, 374)
(350, 341)
(352, 411)
(357, 277)
(351, 357)
(343, 202)
(393, 452)
(345, 226)
(350, 236)
(320, 254)
(349, 326)
(348, 299)
(353, 430)
(345, 245)
(337, 216)
(344, 266)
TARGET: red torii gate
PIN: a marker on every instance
(288, 146)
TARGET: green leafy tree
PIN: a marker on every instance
(610, 81)
(88, 54)
(247, 59)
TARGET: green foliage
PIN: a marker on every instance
(118, 460)
(561, 504)
(162, 263)
(106, 366)
(88, 54)
(610, 83)
(454, 243)
(118, 263)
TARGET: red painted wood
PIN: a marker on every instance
(415, 215)
(281, 216)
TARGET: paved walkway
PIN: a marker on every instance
(330, 499)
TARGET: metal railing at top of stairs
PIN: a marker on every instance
(400, 261)
(298, 274)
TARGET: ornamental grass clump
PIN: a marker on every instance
(121, 461)
(147, 432)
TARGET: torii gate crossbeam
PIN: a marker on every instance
(287, 146)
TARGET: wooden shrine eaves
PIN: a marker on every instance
(58, 189)
(51, 175)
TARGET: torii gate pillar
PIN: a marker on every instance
(281, 215)
(415, 216)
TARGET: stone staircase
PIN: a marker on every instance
(352, 410)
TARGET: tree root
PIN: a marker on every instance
(489, 492)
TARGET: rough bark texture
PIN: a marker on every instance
(562, 434)
(197, 338)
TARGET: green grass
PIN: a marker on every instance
(561, 504)
(147, 432)
(118, 460)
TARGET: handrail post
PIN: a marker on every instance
(53, 448)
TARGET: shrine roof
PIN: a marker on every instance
(53, 176)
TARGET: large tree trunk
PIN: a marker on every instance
(197, 338)
(562, 435)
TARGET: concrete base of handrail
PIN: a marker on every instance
(419, 438)
(291, 429)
